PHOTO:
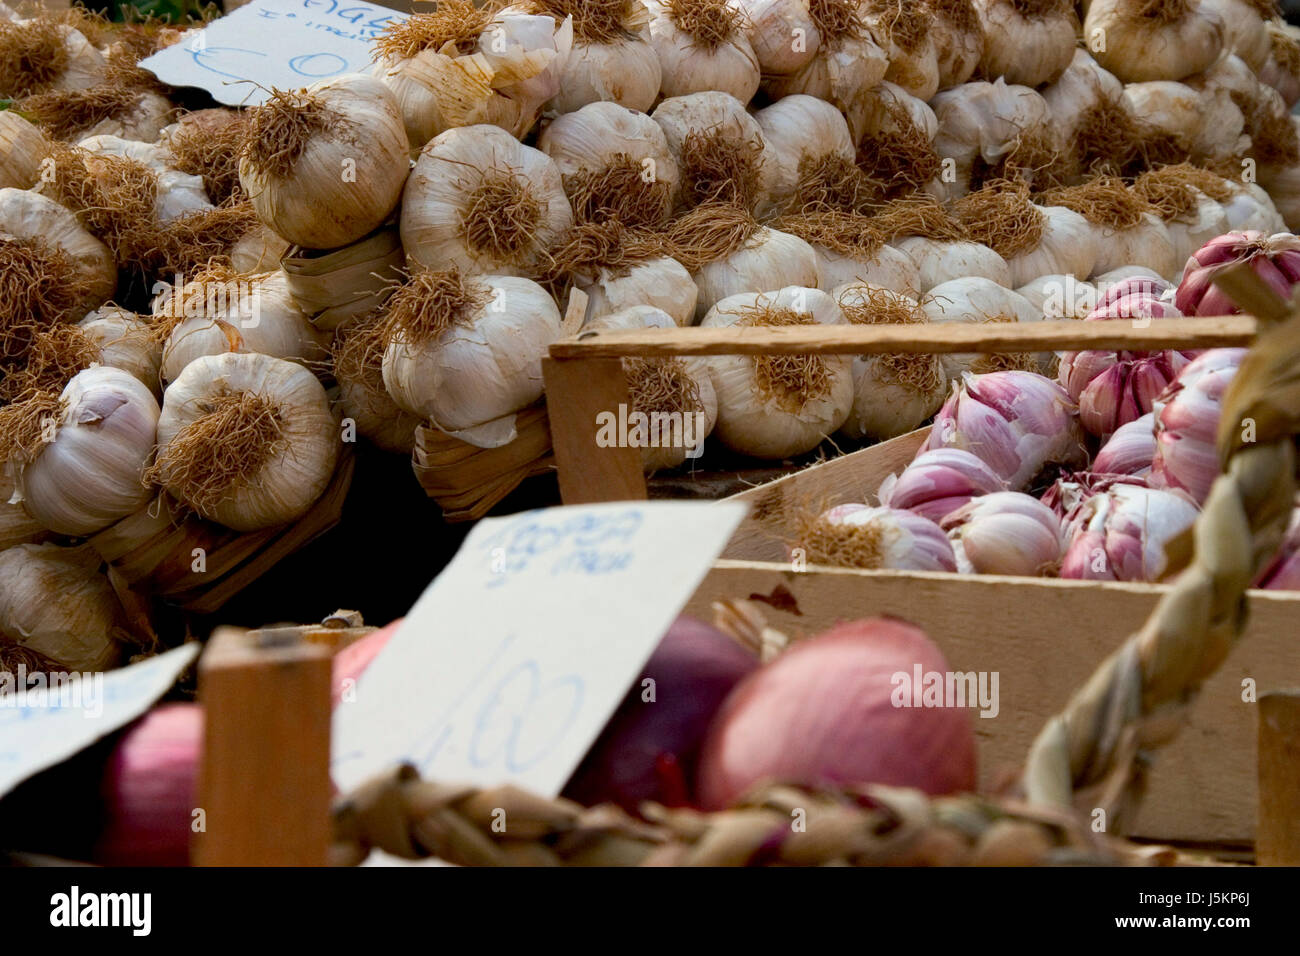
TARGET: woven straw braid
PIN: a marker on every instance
(1096, 752)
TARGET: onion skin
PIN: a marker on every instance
(821, 714)
(649, 750)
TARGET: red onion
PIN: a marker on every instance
(1018, 423)
(1275, 259)
(649, 749)
(1130, 449)
(1120, 534)
(1187, 424)
(825, 713)
(939, 481)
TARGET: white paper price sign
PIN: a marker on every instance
(281, 44)
(509, 665)
(43, 726)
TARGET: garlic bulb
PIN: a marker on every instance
(358, 363)
(1120, 534)
(1130, 450)
(769, 258)
(1244, 32)
(465, 353)
(718, 146)
(1251, 208)
(663, 283)
(701, 45)
(895, 134)
(798, 132)
(246, 440)
(178, 193)
(676, 395)
(55, 248)
(22, 148)
(859, 536)
(612, 58)
(1060, 296)
(1080, 93)
(81, 457)
(775, 406)
(326, 165)
(142, 117)
(56, 606)
(846, 67)
(1005, 532)
(460, 65)
(1281, 69)
(986, 125)
(885, 267)
(221, 312)
(614, 162)
(258, 251)
(958, 40)
(783, 34)
(481, 201)
(902, 28)
(1030, 43)
(1187, 423)
(892, 393)
(1167, 40)
(939, 481)
(1203, 123)
(1126, 229)
(1017, 422)
(1034, 240)
(16, 525)
(977, 300)
(41, 54)
(1190, 217)
(125, 341)
(1112, 278)
(942, 260)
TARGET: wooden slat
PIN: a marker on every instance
(1180, 333)
(1045, 637)
(1279, 777)
(264, 784)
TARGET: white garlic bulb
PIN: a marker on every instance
(246, 440)
(777, 406)
(1251, 207)
(845, 69)
(87, 471)
(1030, 44)
(597, 135)
(1066, 246)
(465, 353)
(701, 45)
(527, 55)
(902, 28)
(233, 313)
(52, 56)
(1082, 88)
(1145, 244)
(701, 128)
(958, 40)
(22, 148)
(16, 525)
(143, 120)
(325, 166)
(978, 300)
(886, 267)
(1206, 123)
(39, 223)
(892, 393)
(940, 260)
(797, 131)
(662, 283)
(986, 122)
(358, 354)
(1244, 31)
(481, 201)
(783, 34)
(622, 69)
(56, 604)
(1061, 296)
(768, 258)
(1142, 42)
(179, 194)
(125, 341)
(258, 251)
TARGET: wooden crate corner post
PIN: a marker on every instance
(264, 782)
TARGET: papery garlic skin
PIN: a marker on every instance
(769, 258)
(1060, 296)
(252, 314)
(974, 300)
(257, 252)
(958, 45)
(592, 137)
(626, 72)
(1067, 246)
(91, 474)
(709, 113)
(663, 283)
(437, 199)
(22, 148)
(31, 216)
(985, 121)
(1029, 50)
(179, 194)
(1187, 424)
(776, 426)
(125, 341)
(1189, 232)
(939, 261)
(1083, 86)
(58, 605)
(687, 66)
(890, 539)
(16, 525)
(843, 72)
(1005, 532)
(1207, 123)
(1017, 422)
(298, 469)
(938, 481)
(1279, 70)
(887, 267)
(1138, 48)
(773, 27)
(143, 121)
(1243, 30)
(913, 64)
(348, 177)
(83, 66)
(1146, 244)
(472, 380)
(797, 130)
(1130, 450)
(1120, 534)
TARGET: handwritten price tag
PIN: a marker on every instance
(509, 665)
(281, 44)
